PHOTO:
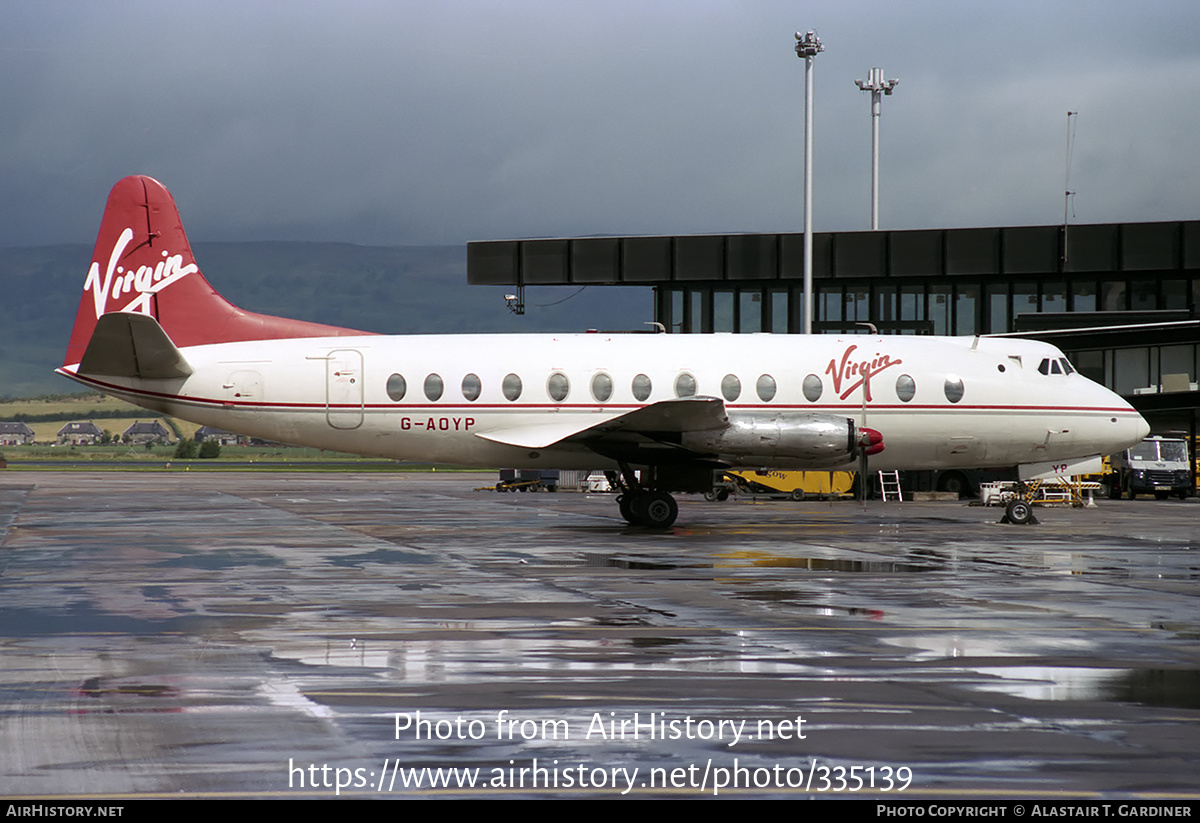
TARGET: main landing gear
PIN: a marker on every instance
(640, 506)
(655, 510)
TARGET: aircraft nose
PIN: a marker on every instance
(1132, 428)
(1126, 427)
(1143, 428)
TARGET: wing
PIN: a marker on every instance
(658, 424)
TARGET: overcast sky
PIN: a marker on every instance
(408, 122)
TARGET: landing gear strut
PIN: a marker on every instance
(640, 506)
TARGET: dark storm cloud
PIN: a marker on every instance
(424, 122)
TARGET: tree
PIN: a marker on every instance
(210, 449)
(185, 450)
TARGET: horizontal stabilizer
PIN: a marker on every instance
(678, 415)
(124, 344)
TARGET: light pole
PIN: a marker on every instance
(875, 84)
(808, 46)
(1067, 187)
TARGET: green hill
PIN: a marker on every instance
(393, 290)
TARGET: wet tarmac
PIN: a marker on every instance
(303, 635)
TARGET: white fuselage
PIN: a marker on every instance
(938, 402)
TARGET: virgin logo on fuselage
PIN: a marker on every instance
(864, 370)
(141, 283)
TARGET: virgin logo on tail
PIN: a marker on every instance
(142, 283)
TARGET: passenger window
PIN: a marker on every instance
(511, 387)
(765, 388)
(906, 387)
(812, 388)
(471, 387)
(641, 387)
(954, 389)
(685, 385)
(602, 387)
(558, 387)
(434, 386)
(731, 387)
(396, 387)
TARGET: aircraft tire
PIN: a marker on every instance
(1018, 512)
(955, 482)
(625, 504)
(655, 510)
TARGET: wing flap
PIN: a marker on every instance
(125, 344)
(541, 435)
(677, 415)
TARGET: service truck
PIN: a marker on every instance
(1157, 466)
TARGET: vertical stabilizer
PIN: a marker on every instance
(143, 264)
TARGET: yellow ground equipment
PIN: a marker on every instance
(798, 485)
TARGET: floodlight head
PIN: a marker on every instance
(808, 44)
(876, 83)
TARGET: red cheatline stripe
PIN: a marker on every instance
(849, 408)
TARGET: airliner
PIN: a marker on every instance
(660, 412)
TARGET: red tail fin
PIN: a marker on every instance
(143, 263)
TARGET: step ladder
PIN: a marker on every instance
(889, 484)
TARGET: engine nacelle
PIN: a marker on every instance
(757, 438)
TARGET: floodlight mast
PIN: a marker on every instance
(808, 46)
(1067, 187)
(876, 85)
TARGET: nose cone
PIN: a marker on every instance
(1143, 429)
(1118, 424)
(1129, 426)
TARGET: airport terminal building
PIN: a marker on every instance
(1119, 298)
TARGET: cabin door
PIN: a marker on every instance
(344, 389)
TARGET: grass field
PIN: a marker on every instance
(84, 405)
(110, 414)
(47, 455)
(47, 415)
(162, 458)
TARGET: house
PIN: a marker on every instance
(149, 432)
(205, 433)
(15, 434)
(80, 434)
